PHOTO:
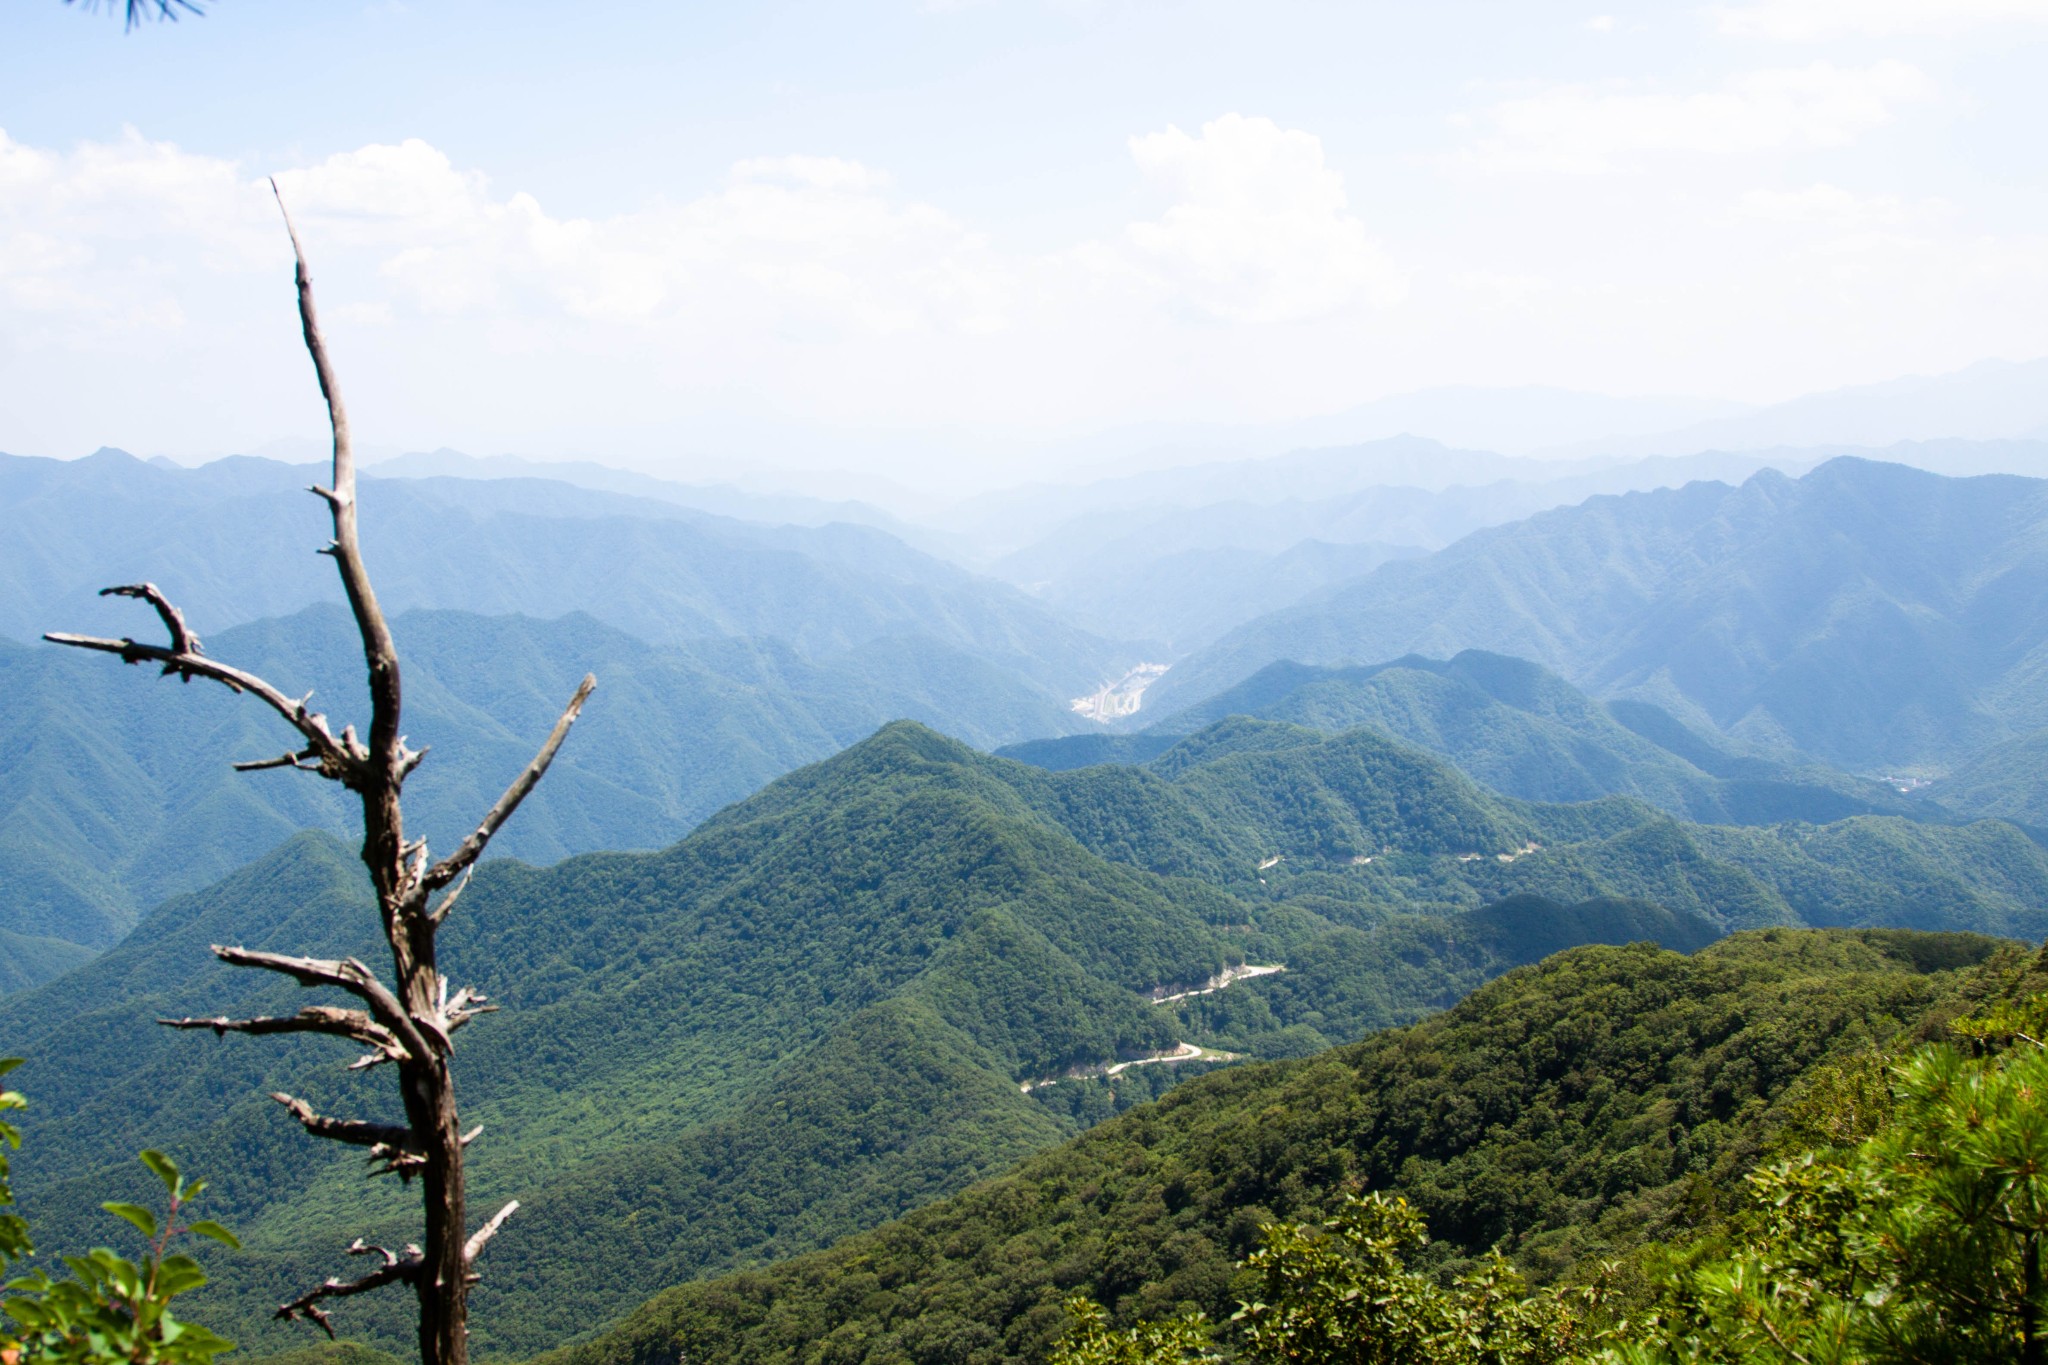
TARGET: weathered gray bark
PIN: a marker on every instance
(408, 1025)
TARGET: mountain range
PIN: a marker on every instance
(1182, 556)
(880, 1046)
(1523, 731)
(1872, 615)
(116, 790)
(232, 542)
(888, 975)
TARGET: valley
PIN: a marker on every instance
(1119, 698)
(966, 683)
(781, 967)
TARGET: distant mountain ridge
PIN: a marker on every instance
(1991, 400)
(718, 499)
(232, 542)
(1182, 556)
(1869, 614)
(115, 789)
(1519, 729)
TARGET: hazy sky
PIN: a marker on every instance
(646, 231)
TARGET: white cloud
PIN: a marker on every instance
(1260, 229)
(1825, 204)
(145, 299)
(817, 235)
(816, 172)
(810, 283)
(1596, 130)
(83, 237)
(1497, 291)
(1813, 20)
(1601, 23)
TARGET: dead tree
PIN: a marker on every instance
(409, 1024)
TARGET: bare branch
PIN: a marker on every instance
(355, 1132)
(409, 1022)
(440, 912)
(338, 1023)
(445, 871)
(294, 759)
(350, 975)
(475, 1245)
(340, 759)
(380, 654)
(396, 1269)
(183, 641)
(465, 1005)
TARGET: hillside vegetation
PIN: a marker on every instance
(822, 1008)
(1520, 729)
(115, 794)
(815, 1013)
(1569, 1110)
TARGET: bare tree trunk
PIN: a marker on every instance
(411, 1024)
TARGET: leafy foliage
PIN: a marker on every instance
(110, 1310)
(1093, 1340)
(14, 1238)
(1343, 1293)
(1923, 1243)
(820, 1010)
(1565, 1112)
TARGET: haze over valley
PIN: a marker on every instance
(1012, 684)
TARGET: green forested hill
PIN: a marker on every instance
(1605, 1097)
(27, 960)
(1522, 730)
(823, 1007)
(1356, 822)
(1867, 613)
(765, 647)
(115, 789)
(813, 1014)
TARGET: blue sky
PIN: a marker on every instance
(876, 233)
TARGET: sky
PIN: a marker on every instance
(928, 239)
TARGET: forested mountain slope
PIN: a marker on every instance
(1567, 1110)
(816, 1012)
(1520, 729)
(2007, 781)
(1870, 614)
(115, 789)
(821, 1008)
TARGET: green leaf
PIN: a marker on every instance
(8, 1064)
(165, 1168)
(206, 1227)
(142, 1218)
(177, 1275)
